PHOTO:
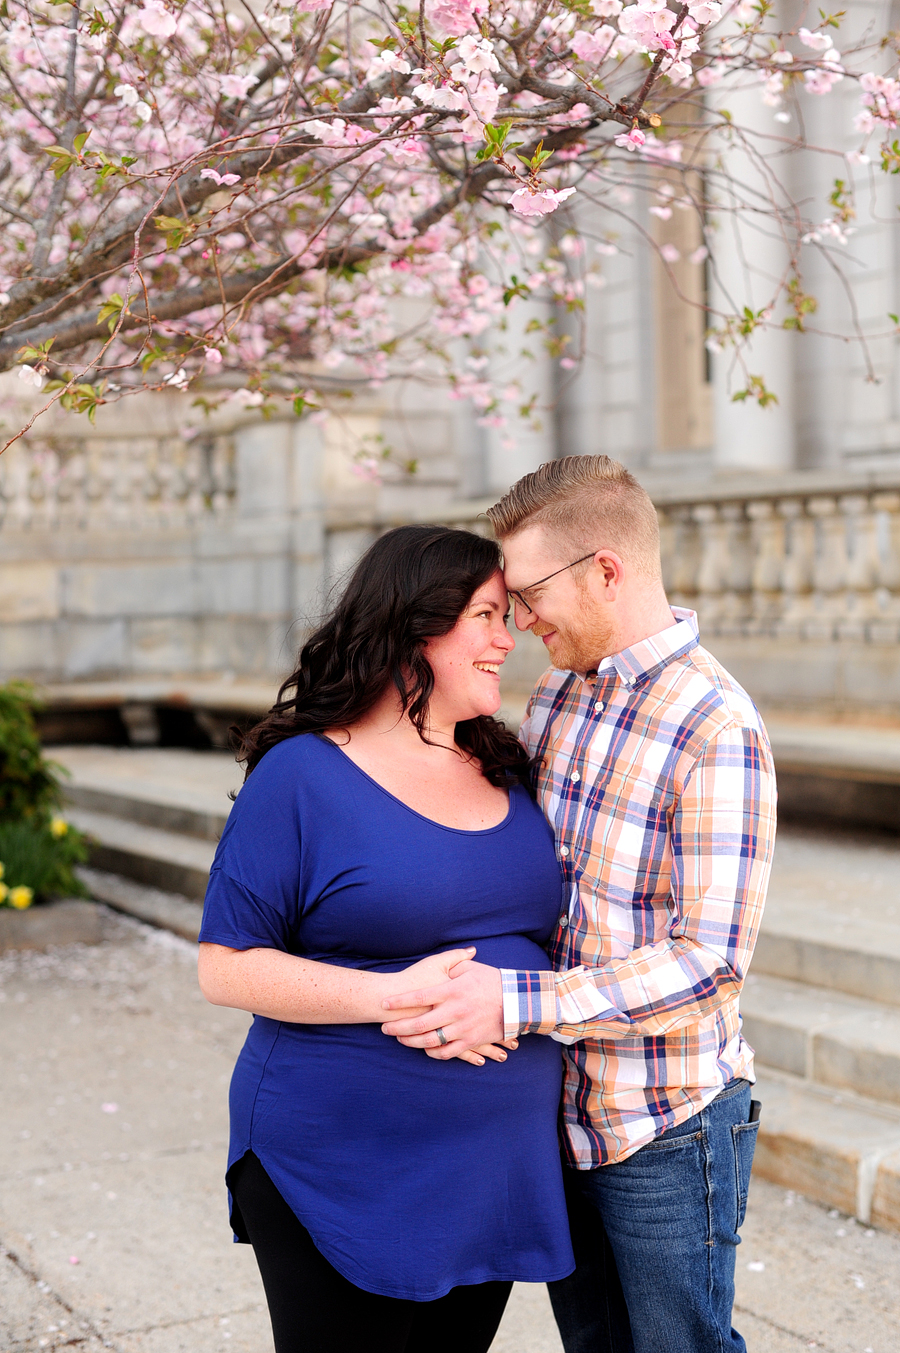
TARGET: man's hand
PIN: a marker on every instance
(468, 1008)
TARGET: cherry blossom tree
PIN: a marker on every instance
(265, 202)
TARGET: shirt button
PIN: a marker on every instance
(575, 777)
(563, 922)
(564, 850)
(599, 706)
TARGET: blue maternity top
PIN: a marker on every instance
(411, 1175)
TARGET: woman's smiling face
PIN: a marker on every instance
(467, 661)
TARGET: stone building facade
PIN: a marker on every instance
(137, 550)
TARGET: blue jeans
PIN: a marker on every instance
(655, 1238)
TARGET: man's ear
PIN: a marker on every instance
(609, 571)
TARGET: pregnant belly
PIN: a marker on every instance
(499, 951)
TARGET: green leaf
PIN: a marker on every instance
(38, 353)
(176, 230)
(64, 159)
(110, 310)
(79, 141)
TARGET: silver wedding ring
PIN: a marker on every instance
(442, 1037)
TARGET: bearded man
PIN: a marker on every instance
(654, 769)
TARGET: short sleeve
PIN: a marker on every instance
(254, 896)
(237, 918)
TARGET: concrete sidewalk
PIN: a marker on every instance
(112, 1208)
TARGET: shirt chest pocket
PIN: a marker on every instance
(611, 789)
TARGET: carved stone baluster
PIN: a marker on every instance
(222, 474)
(99, 477)
(767, 543)
(72, 491)
(739, 564)
(37, 488)
(861, 580)
(21, 509)
(48, 465)
(713, 571)
(166, 476)
(683, 558)
(668, 543)
(885, 627)
(796, 572)
(194, 474)
(178, 484)
(829, 568)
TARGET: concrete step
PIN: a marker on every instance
(159, 859)
(169, 911)
(173, 789)
(838, 1149)
(832, 918)
(839, 1042)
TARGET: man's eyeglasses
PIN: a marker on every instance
(519, 597)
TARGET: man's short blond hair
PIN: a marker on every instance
(585, 503)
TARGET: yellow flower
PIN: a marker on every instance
(59, 826)
(21, 897)
(3, 891)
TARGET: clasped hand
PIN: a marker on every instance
(467, 1007)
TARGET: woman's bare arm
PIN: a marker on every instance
(303, 991)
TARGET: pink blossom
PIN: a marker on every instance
(632, 140)
(454, 17)
(408, 152)
(156, 20)
(593, 47)
(705, 12)
(669, 253)
(236, 86)
(73, 1259)
(212, 355)
(388, 60)
(880, 100)
(528, 202)
(367, 467)
(712, 74)
(699, 255)
(819, 42)
(823, 79)
(606, 9)
(664, 152)
(226, 180)
(477, 54)
(309, 6)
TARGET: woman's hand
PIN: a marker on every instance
(493, 1051)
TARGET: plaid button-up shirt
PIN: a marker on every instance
(657, 778)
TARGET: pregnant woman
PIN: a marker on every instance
(384, 832)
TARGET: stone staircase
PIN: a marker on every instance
(821, 1005)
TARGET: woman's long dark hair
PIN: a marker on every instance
(413, 584)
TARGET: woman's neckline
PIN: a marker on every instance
(423, 817)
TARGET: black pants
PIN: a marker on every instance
(314, 1309)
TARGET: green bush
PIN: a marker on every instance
(38, 858)
(38, 850)
(29, 787)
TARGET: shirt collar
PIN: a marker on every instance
(648, 655)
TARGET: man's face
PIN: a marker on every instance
(566, 614)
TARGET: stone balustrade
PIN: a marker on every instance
(803, 557)
(148, 555)
(141, 484)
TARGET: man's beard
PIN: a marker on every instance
(580, 645)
